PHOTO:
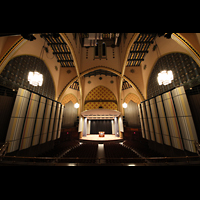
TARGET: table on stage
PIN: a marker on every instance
(101, 134)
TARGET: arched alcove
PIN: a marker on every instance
(100, 96)
(185, 71)
(69, 115)
(15, 75)
(132, 115)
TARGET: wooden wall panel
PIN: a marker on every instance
(145, 120)
(29, 123)
(185, 119)
(163, 120)
(168, 117)
(39, 120)
(60, 121)
(55, 128)
(50, 132)
(34, 120)
(17, 120)
(45, 125)
(150, 122)
(141, 121)
(172, 121)
(156, 121)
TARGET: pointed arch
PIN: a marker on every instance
(69, 97)
(132, 97)
(100, 96)
(16, 71)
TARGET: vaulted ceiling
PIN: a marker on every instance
(140, 48)
(64, 51)
(60, 49)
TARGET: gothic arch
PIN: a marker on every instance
(15, 75)
(132, 97)
(100, 96)
(69, 97)
(185, 70)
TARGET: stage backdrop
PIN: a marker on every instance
(101, 125)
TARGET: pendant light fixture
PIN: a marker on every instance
(165, 77)
(34, 77)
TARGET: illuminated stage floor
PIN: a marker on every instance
(96, 138)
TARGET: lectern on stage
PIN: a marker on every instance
(101, 134)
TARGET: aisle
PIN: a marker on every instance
(101, 153)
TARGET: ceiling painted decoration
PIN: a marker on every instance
(102, 97)
(140, 48)
(75, 85)
(60, 49)
(68, 98)
(100, 72)
(126, 85)
(132, 97)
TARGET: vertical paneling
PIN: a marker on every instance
(172, 121)
(34, 120)
(53, 111)
(46, 122)
(185, 118)
(163, 120)
(169, 116)
(55, 127)
(60, 121)
(150, 122)
(29, 122)
(156, 121)
(145, 120)
(39, 120)
(17, 120)
(141, 121)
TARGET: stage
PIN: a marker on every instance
(96, 138)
